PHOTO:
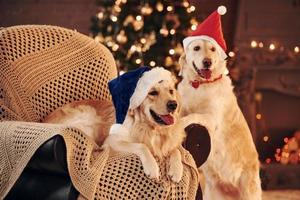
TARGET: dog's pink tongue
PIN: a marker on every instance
(206, 73)
(168, 119)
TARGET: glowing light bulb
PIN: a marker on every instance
(186, 4)
(272, 46)
(115, 47)
(143, 40)
(171, 51)
(261, 45)
(117, 9)
(253, 44)
(231, 54)
(152, 63)
(113, 18)
(164, 31)
(192, 8)
(138, 17)
(278, 150)
(133, 48)
(159, 6)
(172, 31)
(117, 2)
(266, 138)
(296, 49)
(258, 116)
(100, 15)
(110, 43)
(138, 61)
(194, 27)
(169, 8)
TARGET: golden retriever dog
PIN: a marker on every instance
(232, 169)
(151, 128)
(92, 117)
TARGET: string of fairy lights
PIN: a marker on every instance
(272, 46)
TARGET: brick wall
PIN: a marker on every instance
(73, 14)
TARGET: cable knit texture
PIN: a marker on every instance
(45, 67)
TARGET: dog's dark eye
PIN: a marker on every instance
(213, 49)
(153, 93)
(171, 91)
(196, 48)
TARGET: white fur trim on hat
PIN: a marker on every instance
(146, 82)
(188, 40)
(118, 129)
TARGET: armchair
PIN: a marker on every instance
(43, 68)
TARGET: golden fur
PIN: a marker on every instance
(93, 117)
(232, 169)
(148, 139)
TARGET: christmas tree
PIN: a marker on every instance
(148, 32)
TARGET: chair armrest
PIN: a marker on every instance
(45, 175)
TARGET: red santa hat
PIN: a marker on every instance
(211, 30)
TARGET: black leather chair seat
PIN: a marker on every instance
(46, 176)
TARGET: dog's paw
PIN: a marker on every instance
(151, 169)
(176, 171)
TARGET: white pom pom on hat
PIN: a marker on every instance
(222, 10)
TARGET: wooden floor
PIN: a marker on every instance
(281, 195)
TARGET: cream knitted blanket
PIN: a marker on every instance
(95, 173)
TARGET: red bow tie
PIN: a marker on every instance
(195, 84)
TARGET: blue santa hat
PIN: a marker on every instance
(131, 88)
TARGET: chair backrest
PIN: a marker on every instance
(44, 67)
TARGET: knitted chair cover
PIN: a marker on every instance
(45, 67)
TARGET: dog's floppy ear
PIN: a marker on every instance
(182, 63)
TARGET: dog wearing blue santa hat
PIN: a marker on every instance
(232, 169)
(147, 113)
(147, 124)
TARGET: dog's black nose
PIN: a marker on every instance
(206, 63)
(171, 106)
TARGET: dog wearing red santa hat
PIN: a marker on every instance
(232, 168)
